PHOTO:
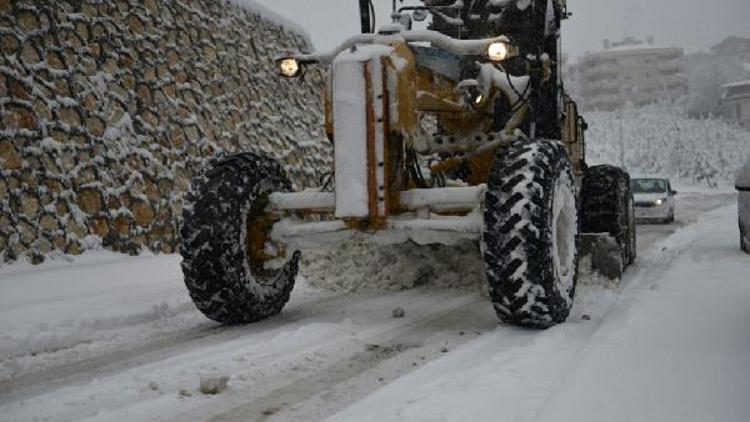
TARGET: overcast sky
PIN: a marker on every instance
(693, 24)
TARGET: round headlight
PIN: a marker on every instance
(289, 67)
(497, 51)
(659, 201)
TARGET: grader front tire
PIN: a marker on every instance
(223, 220)
(529, 239)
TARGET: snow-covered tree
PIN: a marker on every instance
(664, 139)
(706, 74)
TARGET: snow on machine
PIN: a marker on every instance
(460, 131)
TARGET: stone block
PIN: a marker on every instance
(69, 116)
(122, 225)
(54, 60)
(143, 213)
(73, 248)
(26, 231)
(135, 24)
(9, 44)
(28, 22)
(29, 206)
(95, 126)
(99, 226)
(9, 159)
(75, 228)
(59, 243)
(49, 222)
(89, 201)
(18, 117)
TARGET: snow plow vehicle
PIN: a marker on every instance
(458, 131)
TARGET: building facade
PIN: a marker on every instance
(735, 102)
(630, 71)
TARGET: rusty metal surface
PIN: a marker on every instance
(372, 183)
(257, 233)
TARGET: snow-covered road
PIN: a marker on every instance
(672, 346)
(116, 338)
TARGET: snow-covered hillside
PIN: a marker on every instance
(662, 139)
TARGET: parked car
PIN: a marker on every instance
(743, 205)
(653, 198)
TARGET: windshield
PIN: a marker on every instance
(648, 185)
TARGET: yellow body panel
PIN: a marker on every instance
(417, 91)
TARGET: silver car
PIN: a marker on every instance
(654, 199)
(743, 205)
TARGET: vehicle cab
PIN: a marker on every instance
(654, 199)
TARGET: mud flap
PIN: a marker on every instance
(600, 258)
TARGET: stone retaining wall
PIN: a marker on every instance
(107, 108)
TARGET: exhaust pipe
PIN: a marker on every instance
(364, 16)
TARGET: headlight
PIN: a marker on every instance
(497, 51)
(659, 201)
(472, 96)
(289, 67)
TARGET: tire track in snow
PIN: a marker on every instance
(204, 333)
(384, 357)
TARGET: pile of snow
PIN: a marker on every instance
(663, 139)
(358, 265)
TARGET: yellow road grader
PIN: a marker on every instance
(461, 130)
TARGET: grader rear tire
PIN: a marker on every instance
(529, 238)
(607, 207)
(223, 219)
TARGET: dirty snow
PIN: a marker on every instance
(363, 266)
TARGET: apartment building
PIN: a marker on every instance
(735, 102)
(630, 71)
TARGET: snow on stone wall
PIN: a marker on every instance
(662, 139)
(108, 108)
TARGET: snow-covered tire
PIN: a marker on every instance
(223, 279)
(530, 232)
(607, 207)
